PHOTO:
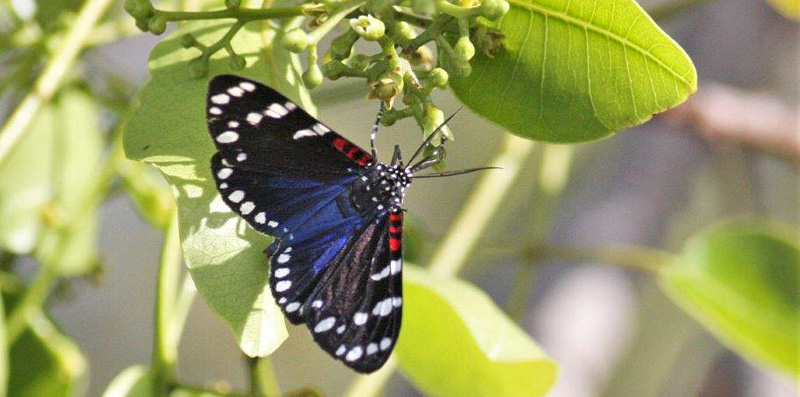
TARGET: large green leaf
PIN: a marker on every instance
(44, 362)
(48, 183)
(168, 129)
(573, 71)
(456, 342)
(740, 280)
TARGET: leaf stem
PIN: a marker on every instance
(164, 344)
(242, 14)
(34, 298)
(54, 72)
(263, 382)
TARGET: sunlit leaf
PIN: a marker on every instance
(577, 71)
(456, 342)
(225, 257)
(132, 382)
(740, 280)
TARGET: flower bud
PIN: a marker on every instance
(198, 67)
(405, 30)
(312, 77)
(387, 87)
(237, 62)
(431, 120)
(157, 24)
(438, 77)
(368, 27)
(188, 41)
(494, 9)
(295, 40)
(454, 65)
(422, 56)
(390, 117)
(464, 48)
(139, 9)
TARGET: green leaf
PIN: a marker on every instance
(225, 257)
(456, 342)
(44, 362)
(3, 351)
(48, 182)
(70, 246)
(577, 71)
(132, 382)
(740, 280)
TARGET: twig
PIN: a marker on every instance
(55, 70)
(165, 347)
(263, 382)
(723, 115)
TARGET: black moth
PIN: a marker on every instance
(334, 210)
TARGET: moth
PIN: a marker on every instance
(335, 212)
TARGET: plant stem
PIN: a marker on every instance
(482, 204)
(34, 298)
(263, 382)
(242, 14)
(463, 234)
(54, 72)
(639, 258)
(164, 344)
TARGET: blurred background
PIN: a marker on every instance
(610, 329)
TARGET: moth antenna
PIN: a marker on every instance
(458, 172)
(374, 134)
(430, 137)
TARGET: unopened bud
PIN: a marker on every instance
(295, 40)
(312, 77)
(368, 27)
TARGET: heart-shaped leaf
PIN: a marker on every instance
(577, 71)
(456, 342)
(225, 257)
(740, 280)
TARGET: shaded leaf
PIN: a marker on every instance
(577, 71)
(740, 280)
(168, 129)
(456, 342)
(44, 362)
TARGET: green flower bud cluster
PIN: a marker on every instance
(403, 71)
(146, 16)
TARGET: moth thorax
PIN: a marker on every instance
(382, 189)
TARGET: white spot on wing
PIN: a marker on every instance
(292, 307)
(290, 106)
(396, 266)
(303, 133)
(261, 218)
(224, 173)
(372, 348)
(397, 301)
(254, 118)
(385, 343)
(283, 258)
(279, 109)
(320, 129)
(325, 324)
(227, 137)
(247, 207)
(233, 124)
(235, 91)
(340, 350)
(283, 285)
(360, 318)
(282, 272)
(354, 354)
(272, 224)
(341, 329)
(215, 110)
(247, 86)
(236, 196)
(220, 99)
(316, 304)
(241, 157)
